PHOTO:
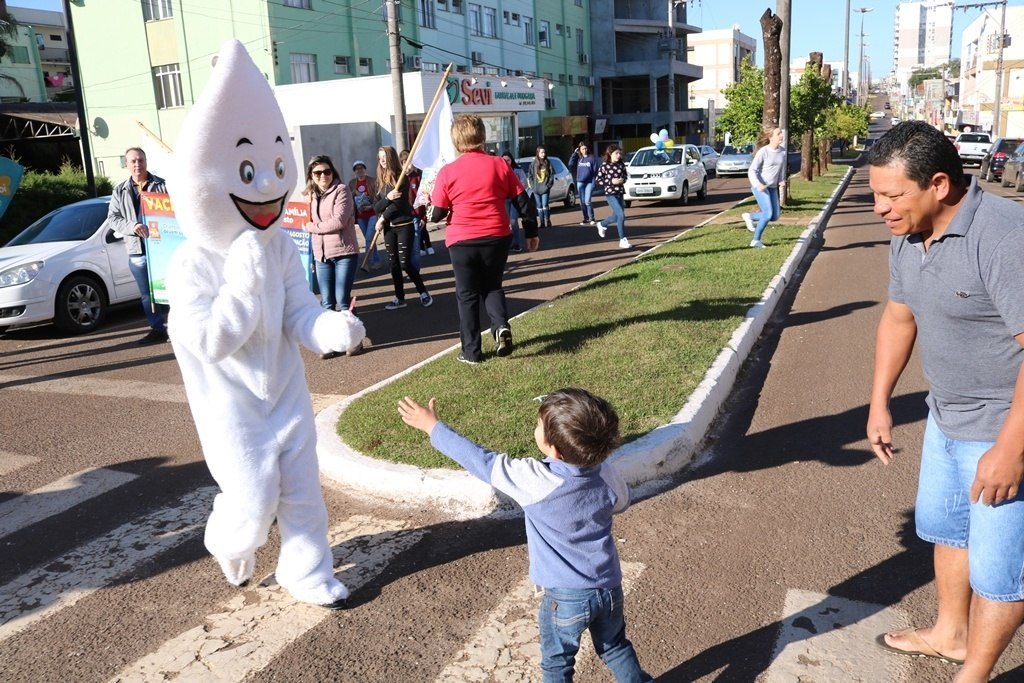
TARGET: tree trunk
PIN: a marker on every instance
(825, 146)
(771, 28)
(807, 148)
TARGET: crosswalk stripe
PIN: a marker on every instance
(827, 638)
(509, 639)
(61, 583)
(58, 496)
(120, 388)
(9, 462)
(258, 623)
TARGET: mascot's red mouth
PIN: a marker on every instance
(260, 215)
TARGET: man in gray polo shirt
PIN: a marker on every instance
(956, 288)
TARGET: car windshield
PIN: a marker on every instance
(68, 224)
(970, 137)
(657, 157)
(742, 149)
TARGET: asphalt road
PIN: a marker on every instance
(780, 553)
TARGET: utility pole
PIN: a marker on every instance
(671, 70)
(846, 56)
(783, 9)
(397, 87)
(860, 64)
(83, 125)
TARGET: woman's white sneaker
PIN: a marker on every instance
(624, 244)
(748, 221)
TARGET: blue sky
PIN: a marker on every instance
(817, 25)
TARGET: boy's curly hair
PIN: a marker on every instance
(583, 427)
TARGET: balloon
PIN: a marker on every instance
(669, 143)
(654, 138)
(659, 145)
(663, 134)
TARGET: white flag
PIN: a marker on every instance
(436, 148)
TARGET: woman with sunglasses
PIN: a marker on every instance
(332, 232)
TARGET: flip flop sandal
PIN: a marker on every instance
(920, 647)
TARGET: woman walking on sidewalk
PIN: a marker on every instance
(541, 178)
(393, 207)
(586, 170)
(767, 172)
(612, 177)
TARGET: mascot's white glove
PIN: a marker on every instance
(245, 268)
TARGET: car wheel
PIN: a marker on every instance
(703, 191)
(684, 194)
(1019, 184)
(988, 175)
(81, 304)
(626, 203)
(570, 197)
(1004, 182)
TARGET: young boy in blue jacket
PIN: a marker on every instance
(568, 500)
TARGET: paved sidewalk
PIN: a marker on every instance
(658, 455)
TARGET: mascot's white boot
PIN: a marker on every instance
(240, 307)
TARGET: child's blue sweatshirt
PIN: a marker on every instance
(568, 510)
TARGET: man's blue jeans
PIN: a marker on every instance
(768, 202)
(157, 319)
(565, 613)
(335, 277)
(586, 191)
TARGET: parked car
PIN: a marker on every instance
(992, 164)
(972, 147)
(709, 157)
(672, 174)
(68, 267)
(564, 188)
(1013, 173)
(735, 160)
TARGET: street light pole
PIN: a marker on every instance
(846, 56)
(671, 70)
(860, 64)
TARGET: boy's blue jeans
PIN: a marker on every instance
(565, 613)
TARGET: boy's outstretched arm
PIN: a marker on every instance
(420, 417)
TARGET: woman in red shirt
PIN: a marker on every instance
(472, 191)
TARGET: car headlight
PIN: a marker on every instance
(20, 274)
(671, 173)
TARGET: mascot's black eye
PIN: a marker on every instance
(279, 167)
(246, 172)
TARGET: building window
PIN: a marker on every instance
(558, 29)
(365, 66)
(457, 6)
(303, 67)
(490, 22)
(152, 10)
(56, 37)
(530, 39)
(427, 17)
(474, 20)
(342, 64)
(579, 41)
(579, 3)
(442, 5)
(301, 4)
(515, 18)
(167, 82)
(545, 34)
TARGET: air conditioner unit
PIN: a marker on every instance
(478, 58)
(413, 62)
(584, 58)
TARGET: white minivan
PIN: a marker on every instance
(666, 174)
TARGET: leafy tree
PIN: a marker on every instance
(811, 99)
(950, 69)
(8, 29)
(742, 117)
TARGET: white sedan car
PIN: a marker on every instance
(67, 267)
(672, 174)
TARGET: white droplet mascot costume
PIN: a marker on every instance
(240, 307)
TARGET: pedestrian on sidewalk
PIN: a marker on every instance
(568, 501)
(540, 179)
(392, 206)
(471, 192)
(510, 206)
(123, 218)
(611, 175)
(421, 236)
(767, 173)
(585, 164)
(955, 287)
(362, 187)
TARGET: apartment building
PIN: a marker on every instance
(719, 53)
(51, 37)
(21, 68)
(922, 38)
(979, 63)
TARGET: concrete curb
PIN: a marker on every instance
(660, 453)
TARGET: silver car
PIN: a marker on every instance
(564, 188)
(735, 160)
(709, 157)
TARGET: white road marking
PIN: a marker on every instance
(122, 388)
(259, 622)
(826, 638)
(506, 648)
(9, 462)
(58, 496)
(62, 582)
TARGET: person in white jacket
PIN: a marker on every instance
(240, 307)
(767, 173)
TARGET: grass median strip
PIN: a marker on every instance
(642, 335)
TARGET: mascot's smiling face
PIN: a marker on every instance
(234, 166)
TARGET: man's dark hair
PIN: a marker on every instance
(583, 427)
(922, 149)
